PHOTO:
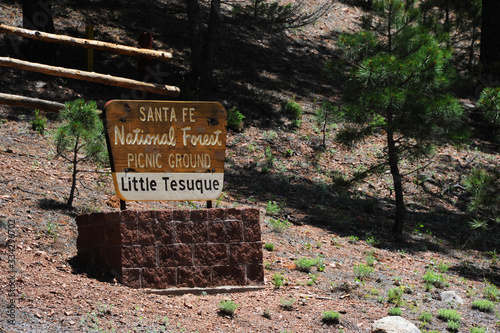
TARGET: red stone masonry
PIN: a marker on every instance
(174, 248)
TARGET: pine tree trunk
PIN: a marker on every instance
(203, 50)
(490, 42)
(397, 182)
(195, 37)
(73, 176)
(37, 15)
(211, 42)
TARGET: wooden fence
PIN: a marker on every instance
(17, 100)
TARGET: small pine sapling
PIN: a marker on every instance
(39, 123)
(325, 116)
(235, 119)
(80, 138)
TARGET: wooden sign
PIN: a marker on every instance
(163, 150)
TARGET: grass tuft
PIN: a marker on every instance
(227, 307)
(483, 305)
(331, 317)
(448, 315)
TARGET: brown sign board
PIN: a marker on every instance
(162, 150)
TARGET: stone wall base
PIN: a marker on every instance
(174, 248)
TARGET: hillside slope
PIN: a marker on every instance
(270, 165)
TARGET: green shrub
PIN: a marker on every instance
(52, 229)
(372, 241)
(491, 292)
(227, 307)
(305, 264)
(312, 279)
(273, 208)
(370, 260)
(278, 225)
(395, 311)
(483, 186)
(443, 267)
(483, 305)
(395, 296)
(362, 271)
(353, 239)
(278, 280)
(453, 326)
(39, 123)
(331, 317)
(435, 279)
(448, 315)
(321, 266)
(293, 111)
(269, 247)
(489, 104)
(425, 317)
(287, 304)
(477, 330)
(235, 119)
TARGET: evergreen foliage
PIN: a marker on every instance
(227, 307)
(293, 111)
(483, 186)
(461, 19)
(398, 75)
(235, 119)
(80, 138)
(277, 16)
(331, 317)
(489, 104)
(39, 123)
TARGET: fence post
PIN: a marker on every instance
(145, 42)
(89, 53)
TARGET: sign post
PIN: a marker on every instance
(161, 150)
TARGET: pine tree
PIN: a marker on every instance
(396, 85)
(80, 138)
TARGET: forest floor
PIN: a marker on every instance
(280, 169)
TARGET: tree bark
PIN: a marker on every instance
(211, 43)
(37, 15)
(490, 41)
(195, 37)
(203, 50)
(396, 177)
(69, 203)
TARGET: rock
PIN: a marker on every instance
(41, 253)
(451, 297)
(394, 324)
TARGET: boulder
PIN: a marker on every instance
(451, 297)
(394, 324)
